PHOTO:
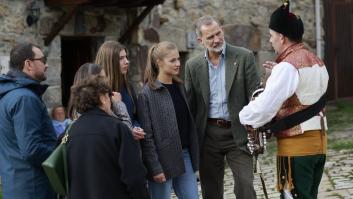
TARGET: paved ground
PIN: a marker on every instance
(337, 181)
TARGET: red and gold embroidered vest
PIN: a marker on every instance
(298, 56)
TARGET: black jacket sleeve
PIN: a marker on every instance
(133, 172)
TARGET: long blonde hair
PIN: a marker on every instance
(157, 51)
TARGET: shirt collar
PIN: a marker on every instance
(223, 53)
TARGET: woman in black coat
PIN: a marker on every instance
(103, 158)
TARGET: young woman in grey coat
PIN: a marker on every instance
(170, 147)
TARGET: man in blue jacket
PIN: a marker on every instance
(27, 136)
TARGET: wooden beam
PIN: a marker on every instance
(135, 23)
(60, 24)
(114, 3)
(65, 2)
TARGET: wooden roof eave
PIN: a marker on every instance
(79, 3)
(98, 3)
(135, 23)
(60, 24)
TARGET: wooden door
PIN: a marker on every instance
(338, 20)
(75, 51)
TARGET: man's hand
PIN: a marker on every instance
(249, 129)
(269, 64)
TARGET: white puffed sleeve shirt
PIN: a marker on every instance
(281, 85)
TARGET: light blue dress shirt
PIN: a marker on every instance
(218, 96)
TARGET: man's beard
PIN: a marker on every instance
(217, 49)
(41, 77)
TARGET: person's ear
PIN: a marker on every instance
(27, 67)
(282, 38)
(158, 62)
(102, 99)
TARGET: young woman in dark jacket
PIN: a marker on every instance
(170, 147)
(112, 56)
(103, 158)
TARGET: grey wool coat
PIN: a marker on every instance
(161, 148)
(242, 76)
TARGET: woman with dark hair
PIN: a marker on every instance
(103, 158)
(170, 147)
(112, 56)
(91, 70)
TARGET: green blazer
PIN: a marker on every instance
(242, 78)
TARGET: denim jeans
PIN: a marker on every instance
(185, 186)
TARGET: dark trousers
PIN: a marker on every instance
(219, 145)
(306, 173)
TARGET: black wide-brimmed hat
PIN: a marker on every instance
(287, 23)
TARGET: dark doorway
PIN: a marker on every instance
(339, 47)
(75, 51)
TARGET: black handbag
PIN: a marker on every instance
(55, 166)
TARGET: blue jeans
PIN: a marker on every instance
(185, 186)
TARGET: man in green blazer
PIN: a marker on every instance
(219, 83)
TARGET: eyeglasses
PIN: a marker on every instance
(42, 59)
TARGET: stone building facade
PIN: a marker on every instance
(245, 23)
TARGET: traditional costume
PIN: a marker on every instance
(298, 80)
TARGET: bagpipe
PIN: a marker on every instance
(257, 141)
(257, 137)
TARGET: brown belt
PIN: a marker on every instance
(221, 123)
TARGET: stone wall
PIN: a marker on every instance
(15, 29)
(245, 23)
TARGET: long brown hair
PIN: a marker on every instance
(86, 71)
(108, 57)
(157, 51)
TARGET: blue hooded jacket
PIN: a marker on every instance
(27, 138)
